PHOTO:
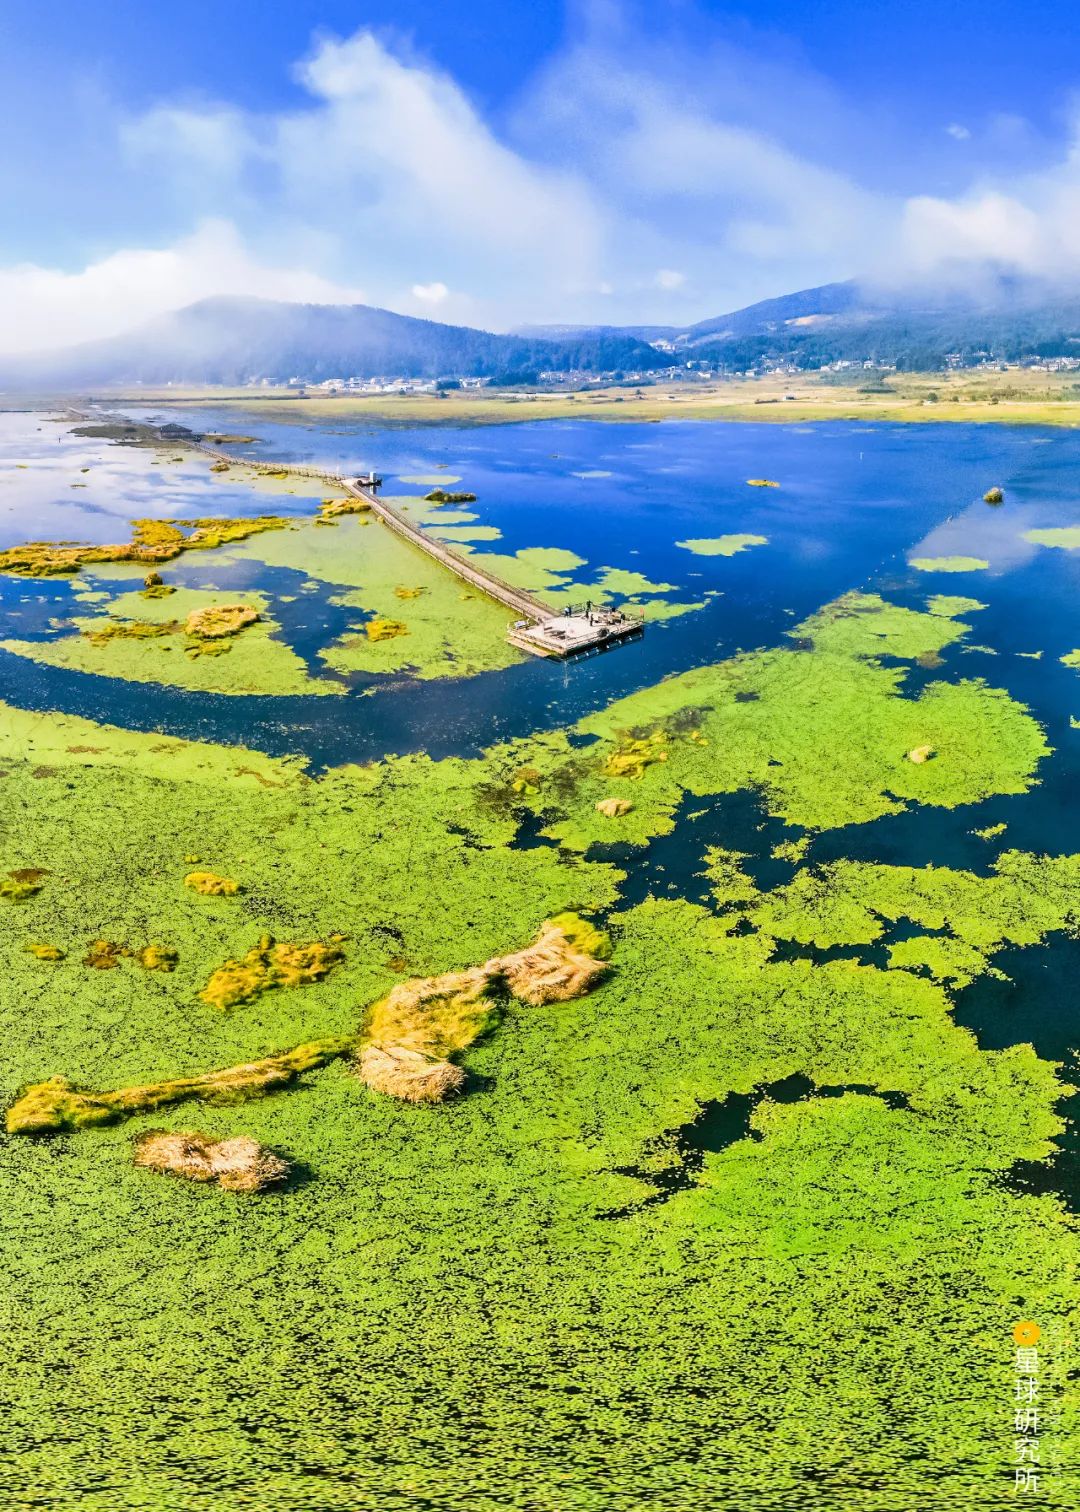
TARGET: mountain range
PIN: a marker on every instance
(1002, 317)
(233, 341)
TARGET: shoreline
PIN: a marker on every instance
(1010, 398)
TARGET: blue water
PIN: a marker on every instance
(854, 502)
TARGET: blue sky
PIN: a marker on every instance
(496, 163)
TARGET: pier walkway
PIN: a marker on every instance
(538, 628)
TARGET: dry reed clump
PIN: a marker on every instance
(268, 965)
(240, 1164)
(613, 808)
(46, 952)
(921, 753)
(211, 885)
(411, 1035)
(220, 620)
(219, 467)
(381, 628)
(50, 1106)
(761, 483)
(567, 958)
(153, 580)
(408, 1074)
(994, 495)
(18, 889)
(635, 754)
(409, 593)
(435, 1016)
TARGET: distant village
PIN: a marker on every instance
(690, 372)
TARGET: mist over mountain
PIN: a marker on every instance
(998, 316)
(234, 341)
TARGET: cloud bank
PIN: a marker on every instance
(637, 180)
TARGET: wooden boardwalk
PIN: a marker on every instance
(515, 599)
(538, 628)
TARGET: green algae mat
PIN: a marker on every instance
(624, 1267)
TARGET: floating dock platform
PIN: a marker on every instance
(576, 632)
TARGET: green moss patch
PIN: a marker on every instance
(725, 545)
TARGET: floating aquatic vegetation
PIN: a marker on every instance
(152, 541)
(254, 660)
(854, 902)
(201, 648)
(381, 628)
(991, 832)
(157, 535)
(239, 1164)
(331, 508)
(110, 630)
(46, 952)
(1070, 659)
(1065, 537)
(211, 885)
(951, 606)
(103, 955)
(442, 496)
(220, 620)
(156, 958)
(725, 545)
(526, 780)
(791, 850)
(106, 955)
(635, 754)
(948, 564)
(271, 964)
(775, 720)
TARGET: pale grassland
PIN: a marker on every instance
(1017, 397)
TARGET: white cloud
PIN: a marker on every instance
(654, 182)
(47, 307)
(432, 293)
